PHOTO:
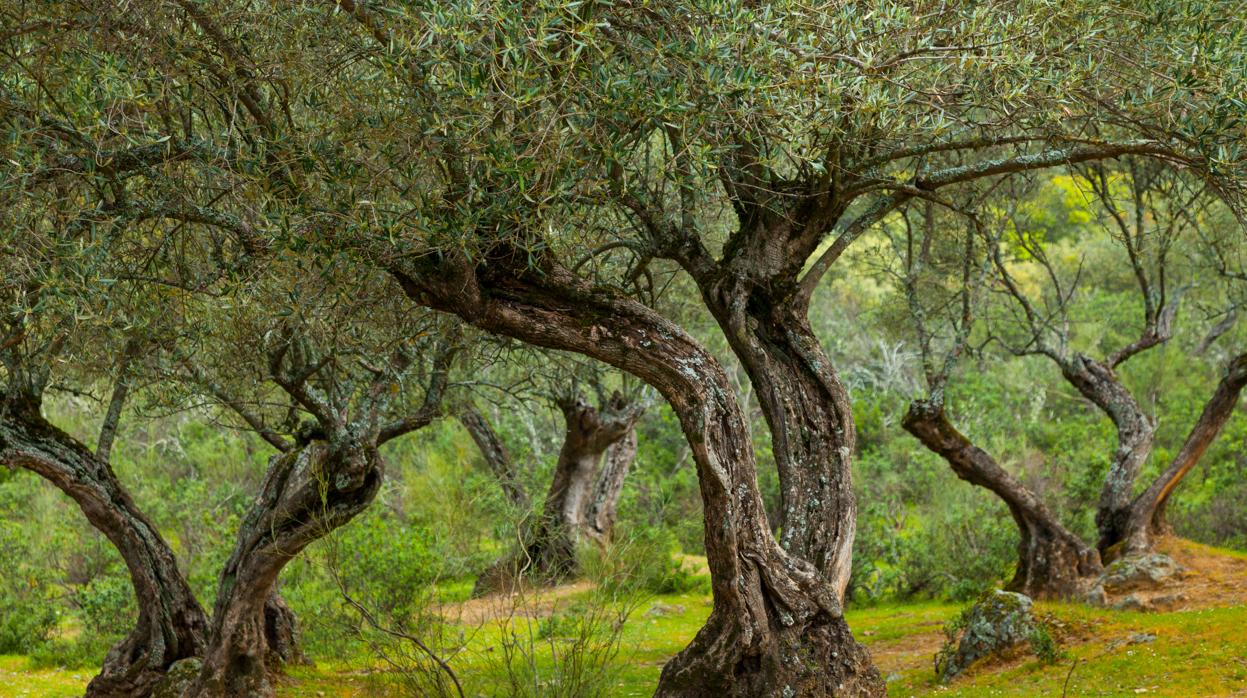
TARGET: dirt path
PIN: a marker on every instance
(530, 602)
(1213, 578)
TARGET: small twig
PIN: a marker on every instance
(1065, 688)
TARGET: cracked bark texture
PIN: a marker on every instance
(171, 624)
(1052, 561)
(777, 625)
(604, 504)
(810, 418)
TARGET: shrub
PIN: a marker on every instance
(644, 561)
(27, 614)
(107, 605)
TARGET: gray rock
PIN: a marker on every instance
(1169, 601)
(660, 609)
(1000, 621)
(179, 678)
(1132, 602)
(1096, 596)
(1140, 638)
(1136, 572)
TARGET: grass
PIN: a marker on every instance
(1194, 653)
(19, 679)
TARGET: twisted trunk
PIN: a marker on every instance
(776, 627)
(1052, 561)
(1146, 519)
(600, 519)
(495, 453)
(171, 624)
(810, 417)
(308, 492)
(549, 553)
(1136, 432)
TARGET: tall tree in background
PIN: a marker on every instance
(1148, 211)
(943, 286)
(599, 444)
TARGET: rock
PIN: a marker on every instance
(660, 609)
(1133, 602)
(999, 621)
(1139, 572)
(179, 678)
(1096, 596)
(1140, 638)
(1169, 601)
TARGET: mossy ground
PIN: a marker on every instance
(1196, 652)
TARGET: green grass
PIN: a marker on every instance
(1195, 653)
(19, 678)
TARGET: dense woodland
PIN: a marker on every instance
(326, 324)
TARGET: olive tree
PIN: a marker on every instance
(477, 154)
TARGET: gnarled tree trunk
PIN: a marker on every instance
(171, 623)
(307, 493)
(1136, 431)
(599, 521)
(1052, 561)
(777, 626)
(810, 417)
(1147, 512)
(548, 554)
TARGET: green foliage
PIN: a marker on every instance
(949, 541)
(28, 614)
(1044, 645)
(106, 605)
(643, 560)
(384, 563)
(379, 561)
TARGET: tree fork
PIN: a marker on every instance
(1136, 432)
(777, 626)
(1052, 561)
(1146, 515)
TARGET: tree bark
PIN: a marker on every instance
(777, 626)
(600, 519)
(1136, 432)
(171, 623)
(1052, 561)
(549, 553)
(495, 453)
(810, 417)
(281, 633)
(308, 492)
(1146, 519)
